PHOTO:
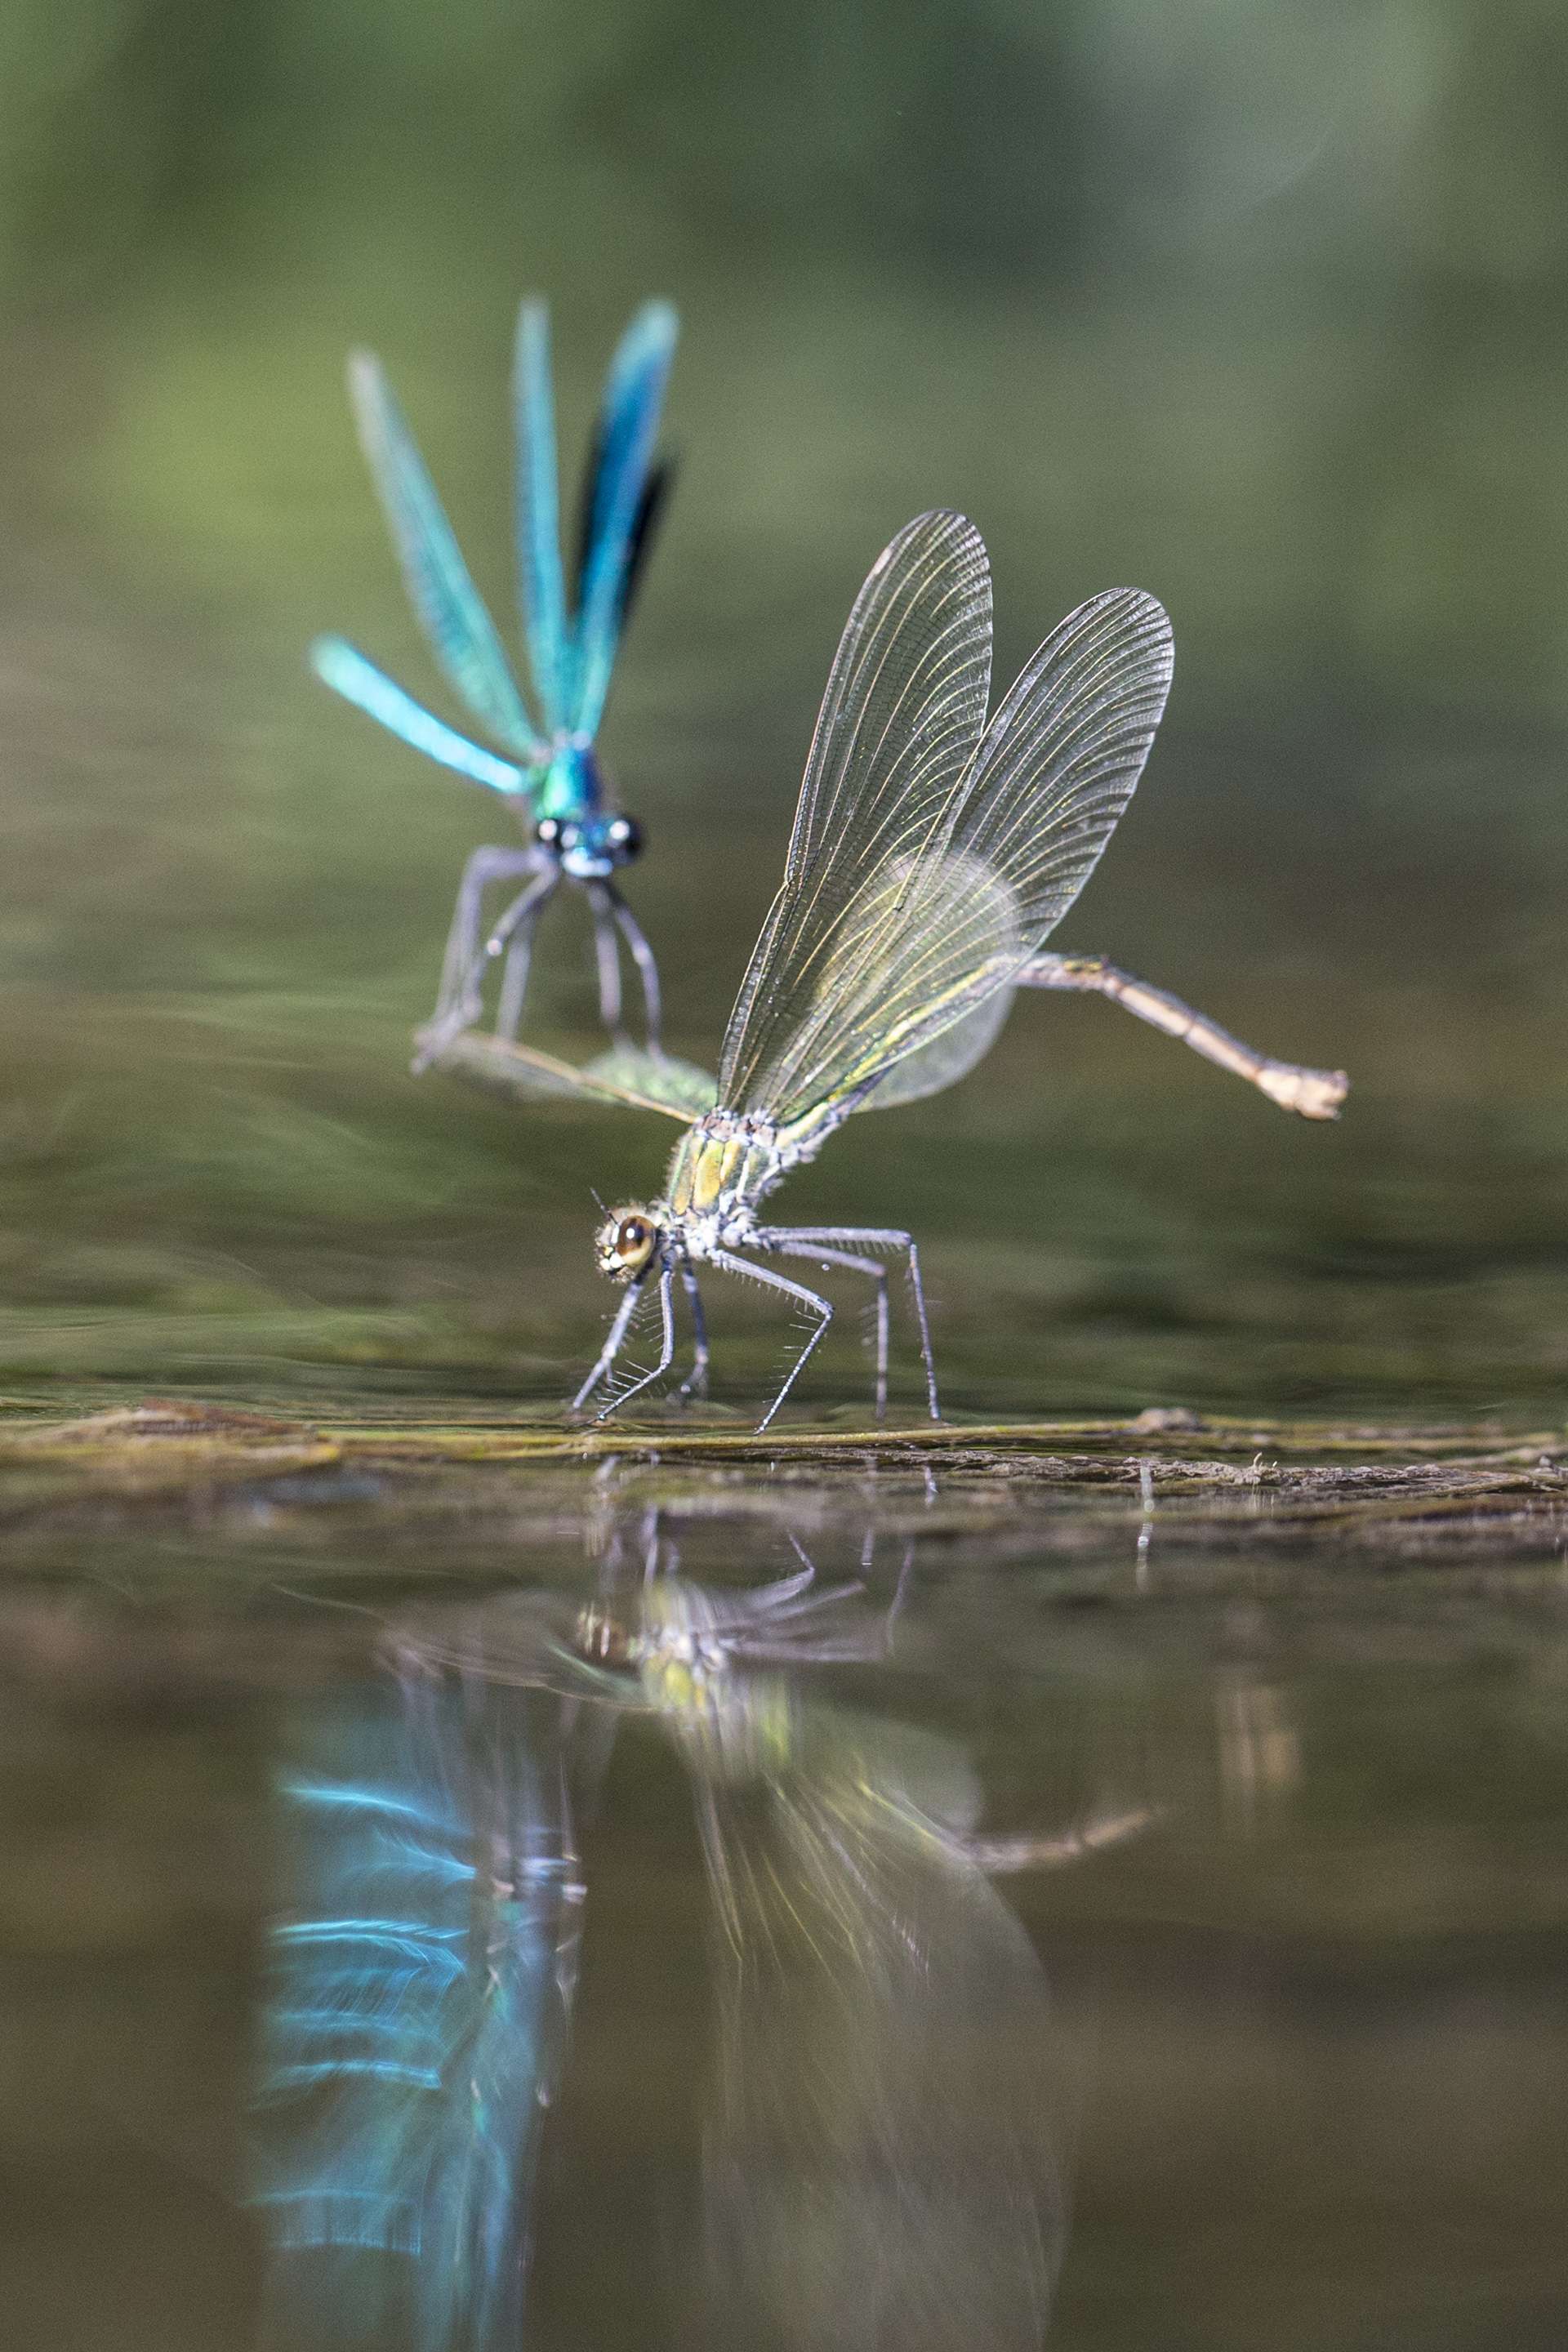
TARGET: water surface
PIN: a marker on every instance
(681, 1912)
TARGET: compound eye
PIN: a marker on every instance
(547, 832)
(624, 835)
(633, 1235)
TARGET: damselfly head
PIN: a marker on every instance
(590, 848)
(602, 1637)
(625, 1242)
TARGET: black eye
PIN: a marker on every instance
(548, 831)
(625, 835)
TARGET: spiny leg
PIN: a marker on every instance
(606, 956)
(821, 1255)
(695, 1382)
(485, 867)
(666, 1350)
(870, 1237)
(642, 956)
(612, 1347)
(819, 1306)
(1311, 1094)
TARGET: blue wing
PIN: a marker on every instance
(619, 505)
(542, 585)
(343, 668)
(451, 611)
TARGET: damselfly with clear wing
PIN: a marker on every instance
(931, 856)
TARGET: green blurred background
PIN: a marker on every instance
(1262, 307)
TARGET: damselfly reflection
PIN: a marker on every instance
(883, 2165)
(551, 774)
(883, 2152)
(421, 1984)
(931, 856)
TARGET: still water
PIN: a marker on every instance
(657, 1912)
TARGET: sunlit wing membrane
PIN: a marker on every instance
(639, 1080)
(540, 581)
(880, 2133)
(902, 713)
(345, 669)
(949, 1056)
(451, 611)
(623, 454)
(920, 942)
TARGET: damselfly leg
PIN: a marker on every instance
(611, 914)
(513, 936)
(642, 956)
(463, 939)
(666, 1347)
(612, 1347)
(806, 1241)
(821, 1255)
(608, 962)
(515, 933)
(819, 1306)
(695, 1384)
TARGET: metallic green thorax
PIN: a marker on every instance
(571, 785)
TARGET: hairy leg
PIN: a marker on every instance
(666, 1350)
(728, 1264)
(804, 1239)
(822, 1253)
(612, 1347)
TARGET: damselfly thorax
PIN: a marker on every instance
(723, 1165)
(722, 1169)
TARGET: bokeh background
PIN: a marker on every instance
(1262, 307)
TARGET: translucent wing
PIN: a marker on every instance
(902, 713)
(920, 938)
(345, 669)
(617, 515)
(541, 583)
(451, 611)
(879, 2166)
(640, 1080)
(949, 1056)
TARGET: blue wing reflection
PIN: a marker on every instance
(420, 1987)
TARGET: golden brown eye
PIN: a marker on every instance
(633, 1234)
